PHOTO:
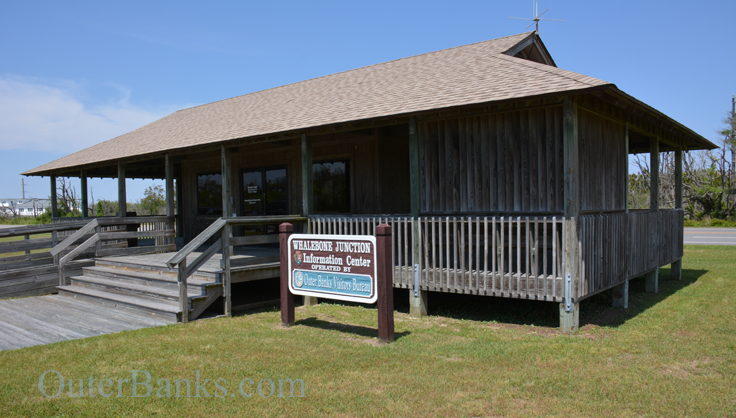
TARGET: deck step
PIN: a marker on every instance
(141, 266)
(145, 278)
(130, 287)
(136, 304)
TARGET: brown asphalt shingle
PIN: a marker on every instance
(469, 74)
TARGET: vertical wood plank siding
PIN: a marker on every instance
(502, 162)
(517, 257)
(621, 246)
(602, 174)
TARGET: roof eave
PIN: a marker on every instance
(704, 143)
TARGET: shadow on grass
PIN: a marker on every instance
(596, 310)
(346, 328)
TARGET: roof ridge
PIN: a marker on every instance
(359, 68)
(559, 72)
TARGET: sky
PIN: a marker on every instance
(76, 73)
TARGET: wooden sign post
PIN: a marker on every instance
(354, 268)
(385, 283)
(287, 299)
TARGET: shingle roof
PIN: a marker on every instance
(469, 74)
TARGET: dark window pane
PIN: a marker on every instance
(277, 192)
(209, 194)
(253, 193)
(330, 187)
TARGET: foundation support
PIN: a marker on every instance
(620, 295)
(652, 281)
(569, 321)
(676, 270)
(418, 302)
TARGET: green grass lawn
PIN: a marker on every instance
(673, 353)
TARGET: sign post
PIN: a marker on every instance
(287, 299)
(353, 268)
(385, 283)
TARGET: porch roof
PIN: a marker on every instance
(483, 72)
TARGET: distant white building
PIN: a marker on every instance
(16, 206)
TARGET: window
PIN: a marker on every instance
(330, 187)
(209, 194)
(265, 191)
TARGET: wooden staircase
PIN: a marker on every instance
(142, 288)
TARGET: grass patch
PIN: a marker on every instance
(712, 223)
(672, 353)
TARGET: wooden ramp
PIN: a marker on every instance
(39, 320)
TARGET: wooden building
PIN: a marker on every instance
(502, 175)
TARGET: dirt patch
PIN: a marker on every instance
(375, 342)
(686, 369)
(584, 332)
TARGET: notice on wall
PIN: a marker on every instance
(341, 267)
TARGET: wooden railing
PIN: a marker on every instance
(499, 256)
(34, 244)
(111, 236)
(218, 238)
(619, 246)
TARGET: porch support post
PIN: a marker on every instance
(620, 295)
(678, 179)
(169, 169)
(306, 166)
(83, 191)
(54, 201)
(417, 296)
(626, 172)
(652, 281)
(228, 209)
(569, 315)
(306, 177)
(676, 267)
(652, 278)
(122, 205)
(654, 174)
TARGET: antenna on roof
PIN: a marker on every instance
(537, 17)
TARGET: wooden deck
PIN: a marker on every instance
(48, 319)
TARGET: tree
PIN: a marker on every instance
(106, 208)
(66, 198)
(153, 202)
(709, 179)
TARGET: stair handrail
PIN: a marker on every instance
(179, 260)
(223, 226)
(76, 236)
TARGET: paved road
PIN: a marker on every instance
(9, 226)
(710, 236)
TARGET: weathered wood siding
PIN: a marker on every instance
(495, 163)
(603, 170)
(379, 167)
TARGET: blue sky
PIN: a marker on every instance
(75, 73)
